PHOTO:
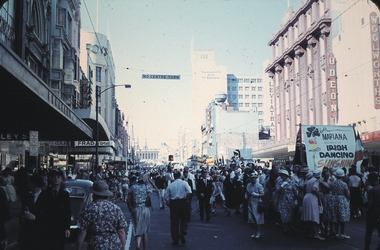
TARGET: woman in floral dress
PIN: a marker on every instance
(254, 193)
(286, 203)
(340, 196)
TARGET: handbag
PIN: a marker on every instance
(263, 206)
(148, 201)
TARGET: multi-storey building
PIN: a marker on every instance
(208, 79)
(42, 84)
(324, 70)
(227, 129)
(251, 92)
(40, 80)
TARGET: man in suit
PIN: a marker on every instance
(204, 191)
(55, 213)
(30, 237)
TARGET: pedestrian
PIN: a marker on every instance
(373, 211)
(218, 193)
(177, 197)
(287, 199)
(310, 205)
(8, 182)
(340, 196)
(30, 237)
(137, 196)
(254, 193)
(204, 191)
(356, 198)
(55, 213)
(102, 221)
(161, 184)
(5, 216)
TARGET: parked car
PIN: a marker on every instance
(80, 196)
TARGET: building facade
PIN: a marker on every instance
(324, 70)
(208, 79)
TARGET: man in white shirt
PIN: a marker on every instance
(177, 196)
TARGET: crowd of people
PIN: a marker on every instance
(319, 202)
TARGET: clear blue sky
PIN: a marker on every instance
(154, 37)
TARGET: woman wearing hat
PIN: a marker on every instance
(102, 220)
(340, 196)
(254, 193)
(288, 195)
(137, 195)
(310, 206)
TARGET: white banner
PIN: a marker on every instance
(329, 146)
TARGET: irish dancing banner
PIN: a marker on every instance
(329, 146)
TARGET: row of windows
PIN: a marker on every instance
(248, 96)
(245, 80)
(246, 88)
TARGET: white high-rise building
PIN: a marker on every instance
(208, 79)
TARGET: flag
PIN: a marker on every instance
(358, 148)
(299, 158)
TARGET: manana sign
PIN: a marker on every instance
(329, 146)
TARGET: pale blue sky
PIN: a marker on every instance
(154, 37)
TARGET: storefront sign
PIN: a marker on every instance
(329, 146)
(14, 137)
(374, 26)
(93, 144)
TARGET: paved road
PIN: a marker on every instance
(226, 233)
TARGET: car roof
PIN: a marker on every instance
(78, 183)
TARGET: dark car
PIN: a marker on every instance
(80, 196)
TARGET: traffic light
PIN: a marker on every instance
(170, 157)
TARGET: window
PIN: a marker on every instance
(98, 74)
(56, 54)
(259, 80)
(253, 80)
(261, 121)
(240, 88)
(233, 88)
(228, 88)
(253, 88)
(246, 88)
(240, 105)
(246, 80)
(260, 96)
(61, 17)
(233, 97)
(240, 80)
(246, 105)
(253, 96)
(253, 104)
(260, 104)
(261, 112)
(259, 88)
(246, 96)
(240, 96)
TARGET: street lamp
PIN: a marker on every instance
(97, 96)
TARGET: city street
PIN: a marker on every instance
(232, 232)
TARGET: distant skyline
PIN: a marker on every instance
(154, 37)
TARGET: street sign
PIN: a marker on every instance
(164, 77)
(33, 141)
(93, 144)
